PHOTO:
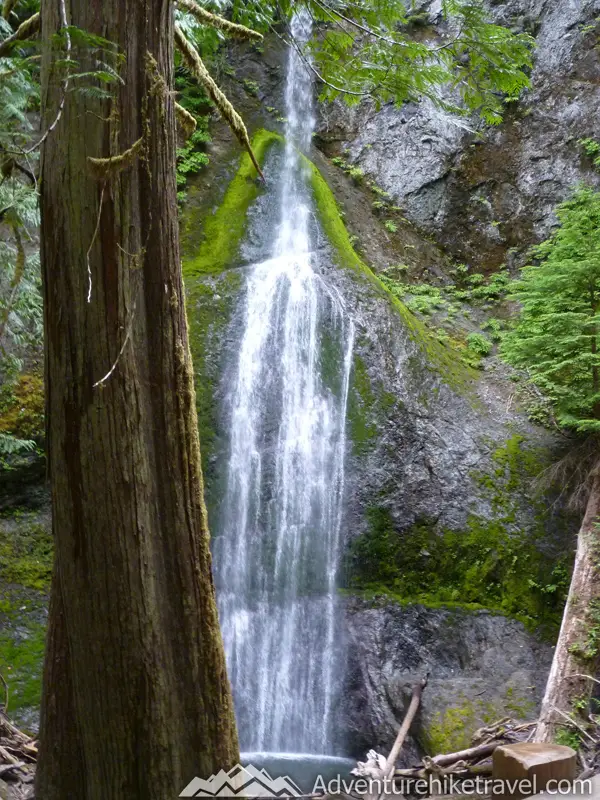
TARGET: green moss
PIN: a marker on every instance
(210, 303)
(514, 465)
(486, 565)
(518, 706)
(21, 660)
(224, 230)
(570, 737)
(22, 408)
(439, 356)
(361, 404)
(452, 729)
(587, 647)
(26, 554)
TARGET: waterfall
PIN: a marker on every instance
(278, 540)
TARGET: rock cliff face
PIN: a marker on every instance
(441, 458)
(488, 194)
(439, 461)
(443, 530)
(482, 666)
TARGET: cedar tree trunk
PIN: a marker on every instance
(136, 700)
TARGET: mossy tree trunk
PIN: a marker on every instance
(136, 700)
(578, 648)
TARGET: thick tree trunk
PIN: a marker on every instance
(136, 700)
(577, 650)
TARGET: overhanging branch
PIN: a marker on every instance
(28, 28)
(232, 117)
(206, 18)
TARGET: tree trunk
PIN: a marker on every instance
(136, 700)
(577, 650)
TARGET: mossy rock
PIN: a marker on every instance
(452, 729)
(491, 563)
(435, 355)
(26, 551)
(21, 664)
(224, 230)
(22, 408)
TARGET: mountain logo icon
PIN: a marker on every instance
(243, 781)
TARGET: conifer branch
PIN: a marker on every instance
(8, 7)
(186, 121)
(196, 66)
(28, 28)
(206, 18)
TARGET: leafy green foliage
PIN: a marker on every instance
(483, 565)
(449, 305)
(256, 14)
(21, 418)
(479, 344)
(368, 50)
(556, 336)
(591, 148)
(251, 87)
(206, 39)
(495, 328)
(190, 158)
(11, 446)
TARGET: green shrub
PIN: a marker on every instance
(484, 565)
(479, 344)
(591, 148)
(251, 87)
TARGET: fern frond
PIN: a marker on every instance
(233, 119)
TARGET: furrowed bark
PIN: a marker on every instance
(136, 700)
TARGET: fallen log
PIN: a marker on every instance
(459, 770)
(471, 761)
(15, 745)
(381, 769)
(470, 754)
(404, 728)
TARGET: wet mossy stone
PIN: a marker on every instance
(224, 230)
(438, 356)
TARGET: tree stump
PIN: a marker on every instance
(534, 763)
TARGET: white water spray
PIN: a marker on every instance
(278, 548)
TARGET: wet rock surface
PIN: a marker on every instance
(481, 666)
(487, 194)
(421, 445)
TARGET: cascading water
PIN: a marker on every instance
(278, 544)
